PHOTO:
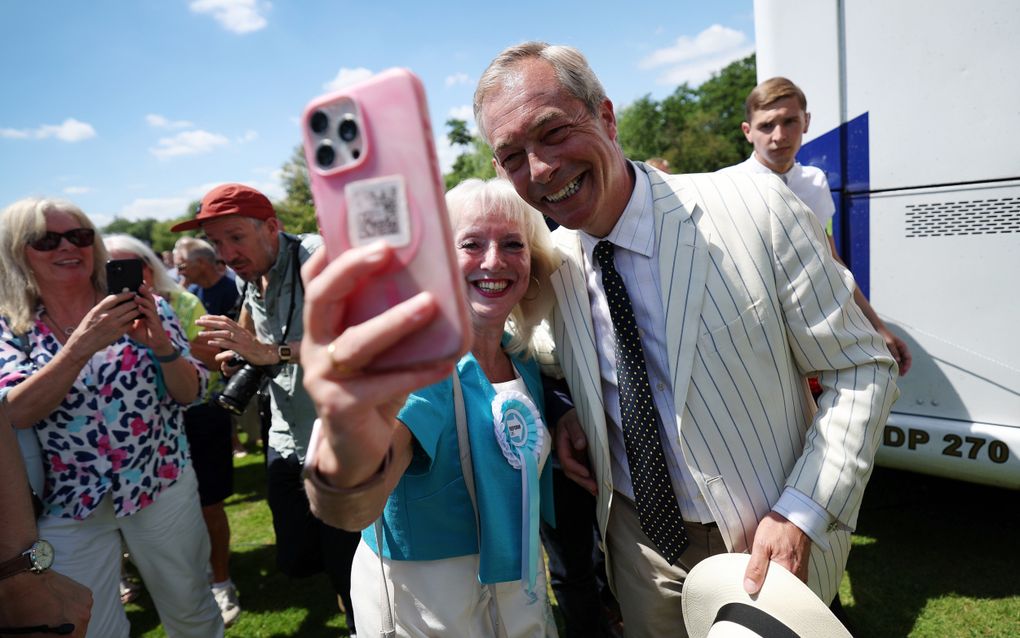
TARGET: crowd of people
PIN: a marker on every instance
(653, 350)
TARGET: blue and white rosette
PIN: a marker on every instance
(520, 433)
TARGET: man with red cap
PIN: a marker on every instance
(242, 226)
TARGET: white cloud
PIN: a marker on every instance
(693, 60)
(457, 78)
(160, 208)
(188, 143)
(158, 121)
(346, 77)
(71, 130)
(77, 190)
(238, 16)
(15, 134)
(249, 136)
(464, 112)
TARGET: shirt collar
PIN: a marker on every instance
(635, 230)
(755, 165)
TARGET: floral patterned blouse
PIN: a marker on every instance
(117, 431)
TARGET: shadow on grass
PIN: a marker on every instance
(921, 538)
(273, 605)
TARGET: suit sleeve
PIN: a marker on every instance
(829, 336)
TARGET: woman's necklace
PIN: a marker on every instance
(68, 331)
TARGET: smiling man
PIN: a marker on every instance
(689, 309)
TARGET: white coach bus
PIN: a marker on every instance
(915, 110)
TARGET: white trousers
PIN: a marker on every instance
(168, 543)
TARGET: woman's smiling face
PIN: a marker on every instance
(495, 260)
(64, 264)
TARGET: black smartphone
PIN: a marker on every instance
(123, 274)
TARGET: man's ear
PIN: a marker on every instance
(807, 121)
(746, 128)
(608, 117)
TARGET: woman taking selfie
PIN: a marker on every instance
(442, 569)
(103, 379)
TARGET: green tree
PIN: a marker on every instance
(297, 209)
(475, 160)
(459, 134)
(140, 229)
(696, 129)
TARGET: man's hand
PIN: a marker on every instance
(230, 337)
(780, 540)
(48, 599)
(572, 450)
(898, 349)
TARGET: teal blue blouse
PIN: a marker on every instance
(429, 515)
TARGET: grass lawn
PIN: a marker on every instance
(932, 558)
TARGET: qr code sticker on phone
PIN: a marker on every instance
(377, 209)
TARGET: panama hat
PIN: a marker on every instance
(715, 604)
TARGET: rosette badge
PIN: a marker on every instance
(520, 433)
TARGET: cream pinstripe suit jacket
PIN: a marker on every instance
(753, 302)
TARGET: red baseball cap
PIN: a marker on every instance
(229, 199)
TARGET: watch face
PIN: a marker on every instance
(284, 352)
(42, 555)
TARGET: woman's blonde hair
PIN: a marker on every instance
(497, 197)
(21, 223)
(162, 282)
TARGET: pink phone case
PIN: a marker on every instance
(374, 175)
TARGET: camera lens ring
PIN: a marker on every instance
(348, 129)
(325, 155)
(318, 122)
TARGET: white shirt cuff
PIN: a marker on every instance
(806, 514)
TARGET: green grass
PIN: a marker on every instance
(273, 605)
(934, 558)
(931, 559)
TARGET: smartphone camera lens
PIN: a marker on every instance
(325, 155)
(319, 122)
(348, 129)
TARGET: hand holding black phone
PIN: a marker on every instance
(123, 275)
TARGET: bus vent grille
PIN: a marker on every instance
(977, 217)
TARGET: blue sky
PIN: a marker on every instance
(134, 108)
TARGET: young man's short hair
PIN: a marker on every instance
(771, 91)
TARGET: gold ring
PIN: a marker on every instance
(342, 369)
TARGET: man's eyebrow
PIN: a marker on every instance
(539, 122)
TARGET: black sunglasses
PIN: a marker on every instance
(80, 237)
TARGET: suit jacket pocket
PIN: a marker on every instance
(723, 334)
(727, 512)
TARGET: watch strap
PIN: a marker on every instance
(14, 566)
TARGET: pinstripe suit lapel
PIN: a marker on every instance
(683, 270)
(571, 291)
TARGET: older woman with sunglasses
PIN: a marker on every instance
(103, 380)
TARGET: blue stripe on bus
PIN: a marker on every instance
(843, 154)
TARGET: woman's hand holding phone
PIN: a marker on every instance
(357, 408)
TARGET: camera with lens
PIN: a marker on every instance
(241, 387)
(336, 134)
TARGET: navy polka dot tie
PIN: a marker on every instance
(656, 503)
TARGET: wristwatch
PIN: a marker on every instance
(36, 559)
(284, 352)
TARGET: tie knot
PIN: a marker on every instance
(604, 253)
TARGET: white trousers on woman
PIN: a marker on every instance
(169, 544)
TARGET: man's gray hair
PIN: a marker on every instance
(191, 248)
(571, 69)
